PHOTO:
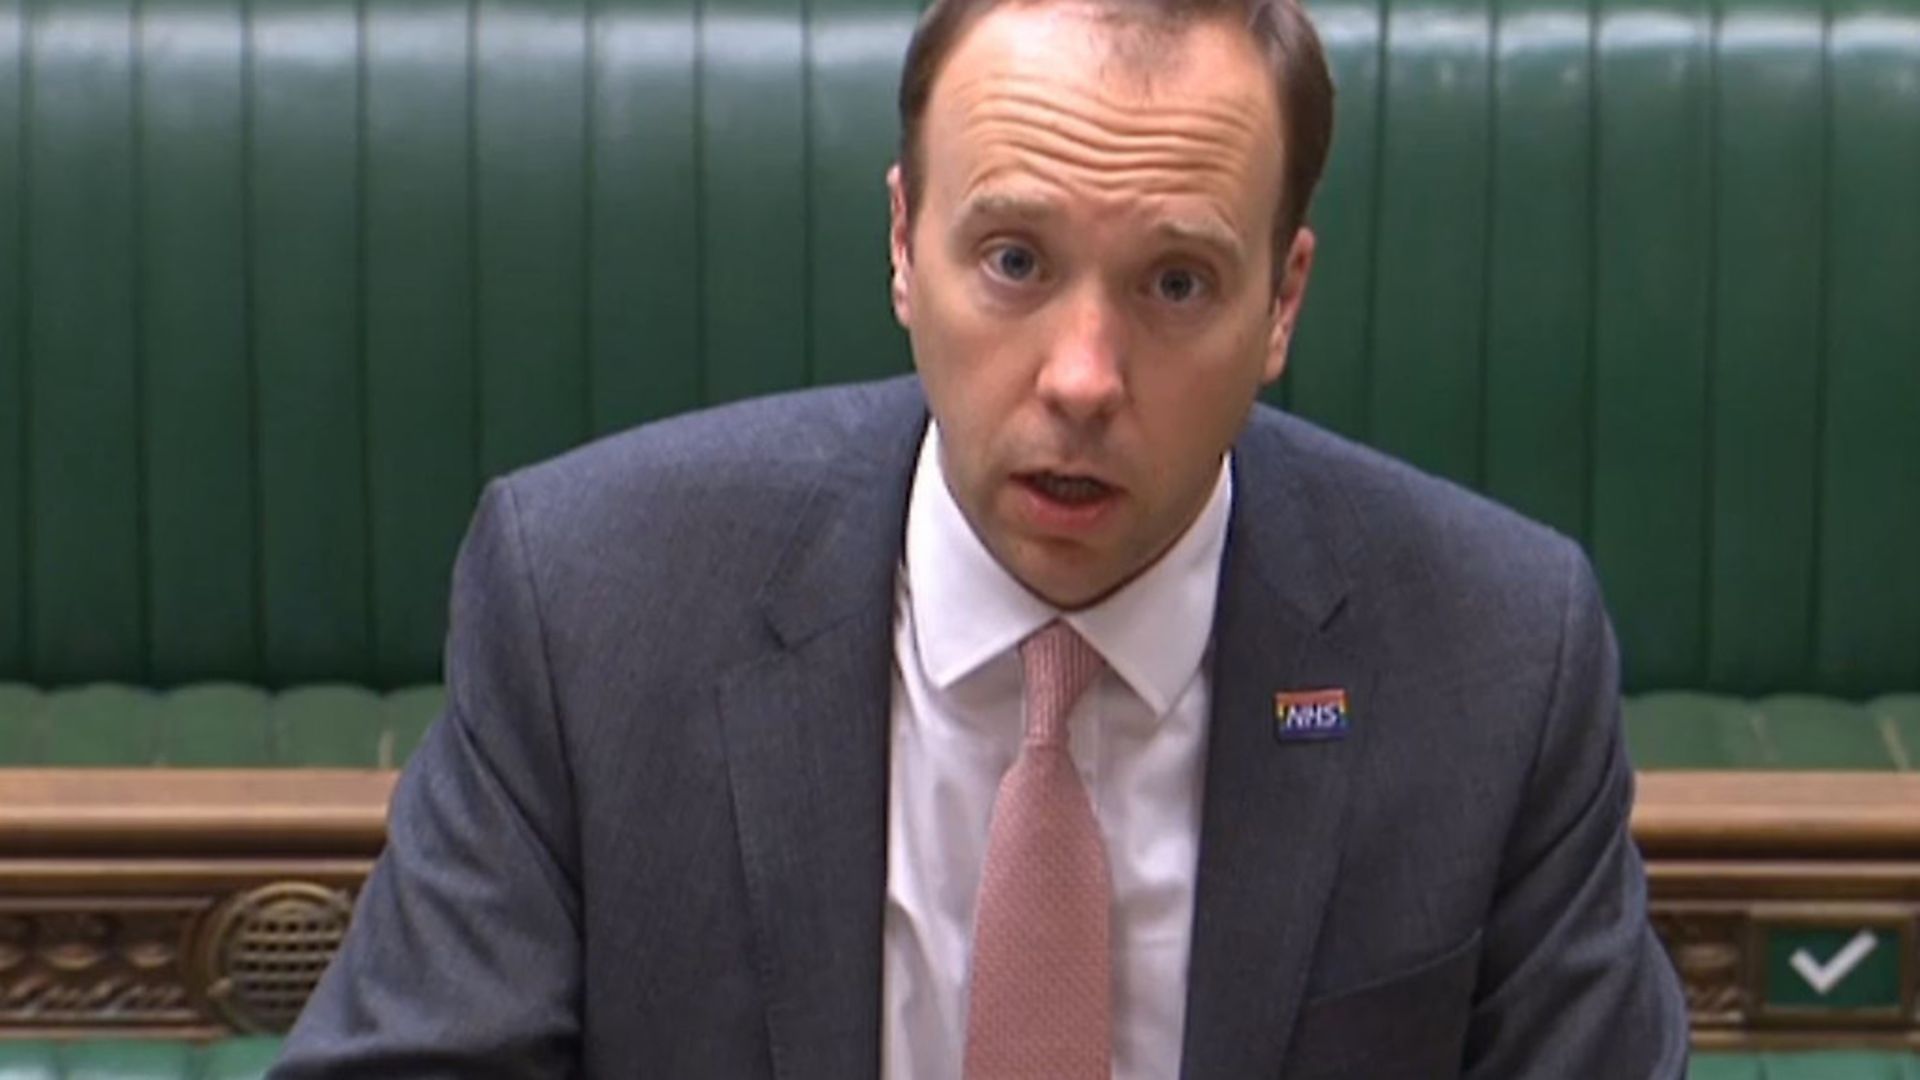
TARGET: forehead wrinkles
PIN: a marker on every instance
(1149, 141)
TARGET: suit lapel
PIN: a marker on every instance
(806, 753)
(1273, 813)
(806, 740)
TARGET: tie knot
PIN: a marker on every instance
(1059, 666)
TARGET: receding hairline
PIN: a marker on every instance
(1280, 31)
(1139, 38)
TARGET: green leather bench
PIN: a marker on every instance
(1690, 730)
(231, 725)
(234, 1059)
(214, 725)
(247, 1059)
(1822, 1065)
(283, 281)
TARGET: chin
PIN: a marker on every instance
(1066, 589)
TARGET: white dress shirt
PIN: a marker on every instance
(1138, 738)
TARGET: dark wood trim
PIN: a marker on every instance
(1748, 1041)
(1796, 815)
(147, 812)
(1751, 880)
(1814, 814)
(132, 877)
(1714, 815)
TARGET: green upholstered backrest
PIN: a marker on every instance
(344, 726)
(1690, 730)
(214, 725)
(281, 281)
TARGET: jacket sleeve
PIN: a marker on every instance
(463, 959)
(1573, 982)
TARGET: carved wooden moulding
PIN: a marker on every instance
(198, 903)
(1790, 973)
(246, 963)
(190, 903)
(82, 962)
(1708, 951)
(1789, 902)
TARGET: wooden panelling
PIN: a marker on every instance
(144, 883)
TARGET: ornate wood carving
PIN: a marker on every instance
(245, 962)
(1708, 947)
(93, 961)
(197, 902)
(162, 902)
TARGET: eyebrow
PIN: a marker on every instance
(1004, 204)
(1204, 232)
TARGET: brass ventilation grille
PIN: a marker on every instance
(266, 950)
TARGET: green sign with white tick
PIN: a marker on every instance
(1843, 968)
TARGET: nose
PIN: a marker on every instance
(1083, 378)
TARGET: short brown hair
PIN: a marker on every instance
(1280, 27)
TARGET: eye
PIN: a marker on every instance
(1012, 262)
(1177, 285)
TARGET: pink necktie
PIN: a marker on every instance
(1039, 1005)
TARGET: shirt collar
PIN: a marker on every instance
(967, 609)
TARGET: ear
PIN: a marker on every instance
(898, 247)
(1285, 313)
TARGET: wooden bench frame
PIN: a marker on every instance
(195, 903)
(1731, 853)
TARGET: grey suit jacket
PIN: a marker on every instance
(647, 838)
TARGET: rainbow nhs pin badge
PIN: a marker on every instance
(1310, 715)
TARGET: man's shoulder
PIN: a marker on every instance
(1394, 522)
(753, 454)
(775, 436)
(709, 500)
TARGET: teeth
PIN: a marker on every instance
(1070, 489)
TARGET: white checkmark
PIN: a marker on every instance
(1823, 977)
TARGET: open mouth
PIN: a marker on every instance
(1067, 489)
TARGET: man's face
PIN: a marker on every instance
(1087, 282)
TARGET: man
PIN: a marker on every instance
(1098, 724)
